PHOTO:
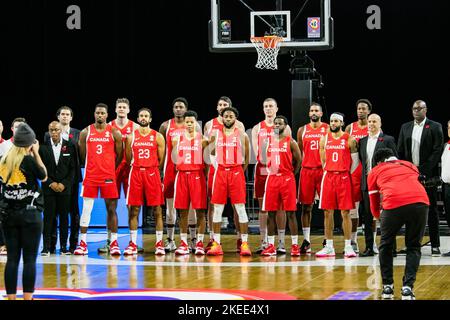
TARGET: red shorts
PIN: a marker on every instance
(169, 181)
(336, 191)
(190, 187)
(108, 191)
(260, 177)
(122, 175)
(309, 183)
(356, 182)
(145, 182)
(229, 183)
(280, 192)
(210, 179)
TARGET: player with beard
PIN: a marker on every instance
(190, 181)
(358, 130)
(126, 127)
(260, 133)
(170, 129)
(145, 153)
(308, 138)
(283, 161)
(101, 148)
(210, 128)
(339, 155)
(231, 147)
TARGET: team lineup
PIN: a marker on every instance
(202, 171)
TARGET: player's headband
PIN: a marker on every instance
(337, 116)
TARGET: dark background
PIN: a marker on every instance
(154, 51)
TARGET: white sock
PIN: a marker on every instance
(211, 234)
(281, 235)
(113, 236)
(83, 237)
(330, 243)
(244, 237)
(354, 236)
(192, 232)
(133, 235)
(159, 236)
(200, 237)
(271, 240)
(348, 243)
(306, 234)
(171, 233)
(217, 237)
(294, 240)
(183, 237)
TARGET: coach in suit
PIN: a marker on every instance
(367, 148)
(65, 116)
(59, 159)
(420, 142)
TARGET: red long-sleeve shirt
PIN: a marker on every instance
(397, 183)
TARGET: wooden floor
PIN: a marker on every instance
(304, 277)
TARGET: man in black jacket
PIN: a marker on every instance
(60, 160)
(65, 116)
(420, 142)
(367, 148)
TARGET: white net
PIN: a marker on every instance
(267, 49)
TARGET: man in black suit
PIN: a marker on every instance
(367, 148)
(65, 116)
(59, 159)
(420, 142)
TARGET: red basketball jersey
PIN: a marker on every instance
(125, 131)
(229, 149)
(264, 132)
(311, 138)
(100, 156)
(215, 125)
(279, 156)
(190, 153)
(144, 150)
(358, 133)
(172, 131)
(337, 153)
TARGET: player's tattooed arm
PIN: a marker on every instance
(347, 128)
(353, 144)
(118, 145)
(322, 151)
(163, 128)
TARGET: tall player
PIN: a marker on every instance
(145, 152)
(308, 138)
(232, 149)
(339, 156)
(101, 147)
(126, 127)
(283, 159)
(170, 129)
(358, 130)
(190, 181)
(260, 133)
(210, 128)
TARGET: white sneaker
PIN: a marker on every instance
(326, 252)
(169, 245)
(349, 252)
(388, 292)
(281, 249)
(375, 249)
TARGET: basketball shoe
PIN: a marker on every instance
(183, 249)
(269, 251)
(199, 250)
(388, 292)
(82, 249)
(305, 247)
(131, 249)
(159, 248)
(295, 250)
(114, 249)
(215, 250)
(245, 249)
(326, 252)
(349, 252)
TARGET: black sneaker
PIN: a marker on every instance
(140, 250)
(305, 247)
(45, 253)
(446, 254)
(401, 252)
(435, 252)
(408, 294)
(105, 248)
(367, 253)
(64, 252)
(388, 292)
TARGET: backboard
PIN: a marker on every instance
(303, 24)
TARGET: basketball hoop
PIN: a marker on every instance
(267, 48)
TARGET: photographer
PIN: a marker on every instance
(21, 206)
(405, 202)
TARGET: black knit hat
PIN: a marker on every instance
(24, 136)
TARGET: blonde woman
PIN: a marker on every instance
(20, 169)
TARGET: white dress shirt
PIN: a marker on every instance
(445, 163)
(65, 134)
(56, 150)
(371, 143)
(5, 146)
(415, 141)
